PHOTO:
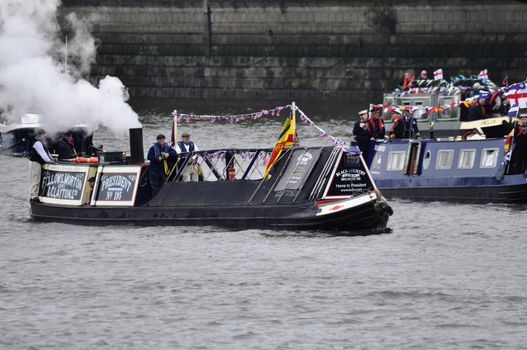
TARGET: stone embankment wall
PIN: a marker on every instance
(327, 50)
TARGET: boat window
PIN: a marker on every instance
(444, 159)
(426, 160)
(396, 161)
(489, 158)
(376, 162)
(466, 159)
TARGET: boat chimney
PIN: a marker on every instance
(137, 154)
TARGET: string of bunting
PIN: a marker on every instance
(266, 113)
(233, 119)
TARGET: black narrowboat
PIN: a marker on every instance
(322, 188)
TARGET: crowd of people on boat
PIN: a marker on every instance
(370, 126)
(489, 100)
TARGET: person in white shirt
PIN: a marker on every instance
(185, 146)
(38, 155)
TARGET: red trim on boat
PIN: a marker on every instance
(326, 201)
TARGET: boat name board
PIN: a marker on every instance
(63, 185)
(117, 185)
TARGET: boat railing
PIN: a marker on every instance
(224, 164)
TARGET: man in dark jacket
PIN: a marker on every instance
(362, 133)
(404, 127)
(478, 110)
(66, 148)
(158, 155)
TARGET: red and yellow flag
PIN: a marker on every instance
(287, 139)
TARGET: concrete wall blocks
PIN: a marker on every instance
(316, 49)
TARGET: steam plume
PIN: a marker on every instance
(32, 79)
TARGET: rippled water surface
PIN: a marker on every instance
(446, 276)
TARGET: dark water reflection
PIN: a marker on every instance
(447, 276)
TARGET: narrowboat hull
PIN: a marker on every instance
(316, 188)
(366, 212)
(474, 194)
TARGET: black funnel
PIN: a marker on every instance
(137, 154)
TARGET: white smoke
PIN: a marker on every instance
(33, 78)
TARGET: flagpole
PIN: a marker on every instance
(293, 113)
(174, 128)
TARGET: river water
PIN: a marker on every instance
(446, 275)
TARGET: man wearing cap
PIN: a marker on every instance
(66, 148)
(188, 146)
(361, 131)
(185, 145)
(518, 139)
(38, 155)
(159, 170)
(404, 127)
(478, 111)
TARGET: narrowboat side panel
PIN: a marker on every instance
(445, 170)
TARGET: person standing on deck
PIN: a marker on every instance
(158, 169)
(66, 148)
(362, 133)
(376, 124)
(38, 155)
(186, 146)
(404, 127)
(518, 137)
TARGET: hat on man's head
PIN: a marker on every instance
(376, 107)
(396, 111)
(522, 113)
(185, 134)
(160, 136)
(364, 111)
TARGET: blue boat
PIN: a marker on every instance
(452, 170)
